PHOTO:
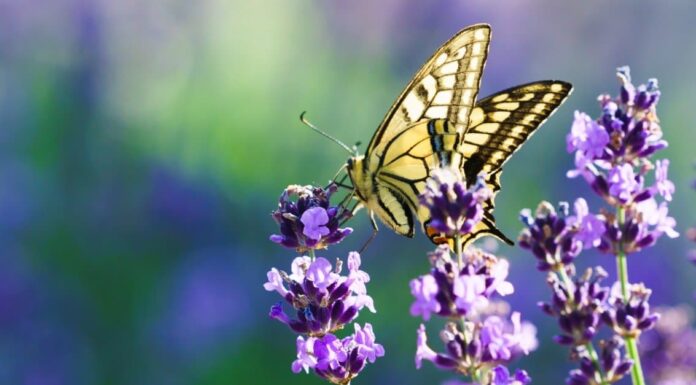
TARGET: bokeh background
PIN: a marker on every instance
(144, 144)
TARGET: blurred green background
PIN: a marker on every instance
(144, 144)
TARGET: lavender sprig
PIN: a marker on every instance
(579, 303)
(613, 154)
(309, 222)
(478, 342)
(322, 299)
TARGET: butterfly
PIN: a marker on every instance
(437, 121)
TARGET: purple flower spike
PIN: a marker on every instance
(323, 300)
(455, 291)
(454, 210)
(613, 153)
(578, 308)
(338, 361)
(309, 221)
(610, 152)
(556, 239)
(632, 316)
(644, 224)
(492, 342)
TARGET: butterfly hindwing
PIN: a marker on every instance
(500, 124)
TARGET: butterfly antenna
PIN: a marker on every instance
(355, 146)
(313, 127)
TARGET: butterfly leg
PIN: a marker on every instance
(374, 232)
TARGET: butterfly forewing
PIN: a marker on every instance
(423, 127)
(444, 88)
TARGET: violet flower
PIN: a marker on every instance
(630, 317)
(337, 360)
(309, 222)
(323, 300)
(451, 291)
(643, 224)
(555, 238)
(487, 343)
(453, 208)
(578, 306)
(612, 152)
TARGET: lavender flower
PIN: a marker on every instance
(578, 306)
(556, 239)
(612, 364)
(663, 186)
(309, 222)
(337, 360)
(450, 291)
(612, 152)
(454, 210)
(644, 223)
(323, 300)
(631, 316)
(487, 343)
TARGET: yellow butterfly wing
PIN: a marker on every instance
(423, 127)
(499, 125)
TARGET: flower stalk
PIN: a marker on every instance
(637, 376)
(613, 154)
(323, 301)
(461, 287)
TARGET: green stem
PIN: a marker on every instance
(474, 372)
(458, 250)
(567, 282)
(594, 357)
(595, 361)
(311, 254)
(476, 376)
(622, 271)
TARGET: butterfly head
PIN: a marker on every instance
(357, 174)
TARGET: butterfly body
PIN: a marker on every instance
(437, 122)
